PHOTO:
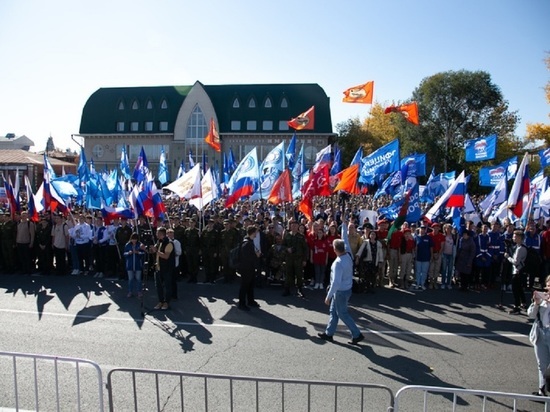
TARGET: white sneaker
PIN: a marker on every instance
(74, 272)
(423, 287)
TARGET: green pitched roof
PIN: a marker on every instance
(102, 110)
(108, 106)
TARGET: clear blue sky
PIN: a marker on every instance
(55, 54)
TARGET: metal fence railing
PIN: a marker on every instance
(49, 383)
(434, 398)
(157, 390)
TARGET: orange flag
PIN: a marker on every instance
(213, 138)
(282, 189)
(359, 94)
(304, 121)
(409, 111)
(348, 180)
(317, 185)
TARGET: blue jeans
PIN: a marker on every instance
(421, 271)
(446, 269)
(542, 353)
(134, 281)
(339, 310)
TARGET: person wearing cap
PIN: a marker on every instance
(465, 255)
(382, 235)
(191, 250)
(297, 254)
(210, 245)
(229, 239)
(406, 251)
(438, 240)
(424, 247)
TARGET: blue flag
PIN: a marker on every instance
(142, 166)
(357, 158)
(491, 175)
(484, 148)
(270, 169)
(124, 164)
(382, 161)
(336, 164)
(291, 152)
(419, 163)
(163, 168)
(544, 157)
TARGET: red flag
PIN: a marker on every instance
(359, 94)
(213, 138)
(348, 180)
(304, 121)
(317, 185)
(282, 189)
(409, 111)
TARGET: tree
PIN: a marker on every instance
(541, 131)
(455, 106)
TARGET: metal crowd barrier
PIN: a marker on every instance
(32, 382)
(434, 398)
(158, 390)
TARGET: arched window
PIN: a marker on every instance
(164, 104)
(236, 103)
(196, 125)
(267, 103)
(149, 105)
(284, 103)
(251, 103)
(121, 105)
(135, 105)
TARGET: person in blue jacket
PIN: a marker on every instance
(134, 253)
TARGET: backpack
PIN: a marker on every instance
(235, 256)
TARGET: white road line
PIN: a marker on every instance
(101, 317)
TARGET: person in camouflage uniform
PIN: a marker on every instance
(210, 245)
(230, 238)
(297, 250)
(191, 249)
(276, 259)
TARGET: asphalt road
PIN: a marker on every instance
(437, 338)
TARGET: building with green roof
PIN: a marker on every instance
(177, 118)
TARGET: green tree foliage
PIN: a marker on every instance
(454, 107)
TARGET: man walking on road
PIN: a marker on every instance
(339, 292)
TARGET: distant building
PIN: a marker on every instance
(177, 118)
(13, 142)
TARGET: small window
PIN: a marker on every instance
(120, 126)
(235, 125)
(267, 125)
(163, 126)
(121, 105)
(134, 126)
(283, 125)
(135, 105)
(164, 104)
(149, 104)
(251, 125)
(236, 103)
(148, 126)
(284, 103)
(267, 103)
(251, 103)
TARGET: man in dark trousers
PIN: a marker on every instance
(249, 259)
(165, 263)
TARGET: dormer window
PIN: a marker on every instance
(284, 103)
(149, 105)
(251, 103)
(236, 103)
(121, 105)
(267, 103)
(164, 104)
(135, 105)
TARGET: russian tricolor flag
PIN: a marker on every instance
(519, 194)
(245, 179)
(458, 195)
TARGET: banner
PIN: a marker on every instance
(544, 157)
(491, 175)
(484, 148)
(382, 161)
(419, 163)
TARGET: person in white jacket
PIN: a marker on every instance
(540, 311)
(369, 255)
